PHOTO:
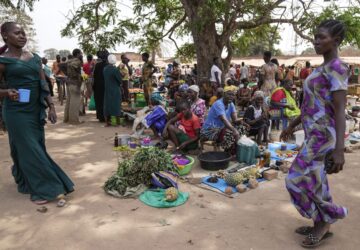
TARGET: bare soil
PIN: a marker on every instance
(259, 219)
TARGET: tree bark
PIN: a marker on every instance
(206, 40)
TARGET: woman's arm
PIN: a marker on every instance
(288, 132)
(229, 126)
(339, 100)
(171, 121)
(12, 94)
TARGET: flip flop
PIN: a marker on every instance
(61, 203)
(305, 230)
(316, 241)
(40, 202)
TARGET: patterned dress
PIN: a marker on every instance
(199, 109)
(307, 181)
(268, 71)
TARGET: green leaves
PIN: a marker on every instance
(97, 26)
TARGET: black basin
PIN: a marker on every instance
(214, 160)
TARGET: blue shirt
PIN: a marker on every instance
(218, 109)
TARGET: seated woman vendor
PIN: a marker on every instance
(157, 118)
(187, 134)
(258, 119)
(282, 97)
(222, 124)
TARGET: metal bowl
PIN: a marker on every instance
(214, 160)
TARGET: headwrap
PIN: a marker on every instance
(195, 88)
(111, 59)
(183, 87)
(155, 96)
(259, 93)
(230, 88)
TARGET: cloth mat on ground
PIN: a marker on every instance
(156, 198)
(221, 184)
(272, 147)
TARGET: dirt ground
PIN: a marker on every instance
(259, 219)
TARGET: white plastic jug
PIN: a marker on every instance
(299, 137)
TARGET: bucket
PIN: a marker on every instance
(299, 137)
(275, 135)
(24, 95)
(123, 140)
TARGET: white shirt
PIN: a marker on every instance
(183, 71)
(244, 71)
(232, 72)
(214, 69)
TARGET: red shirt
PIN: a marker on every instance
(87, 68)
(190, 125)
(304, 73)
(278, 95)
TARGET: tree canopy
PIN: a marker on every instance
(214, 25)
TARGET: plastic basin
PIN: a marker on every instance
(187, 168)
(214, 160)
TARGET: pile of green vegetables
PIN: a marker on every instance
(136, 171)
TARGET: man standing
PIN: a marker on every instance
(56, 71)
(125, 74)
(72, 108)
(305, 72)
(244, 73)
(148, 70)
(48, 77)
(232, 72)
(215, 75)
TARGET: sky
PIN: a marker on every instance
(49, 18)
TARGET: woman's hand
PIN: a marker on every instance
(338, 160)
(52, 115)
(286, 134)
(13, 94)
(236, 135)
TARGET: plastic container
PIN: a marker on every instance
(24, 95)
(123, 140)
(299, 137)
(187, 168)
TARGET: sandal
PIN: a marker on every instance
(61, 203)
(40, 202)
(305, 230)
(315, 241)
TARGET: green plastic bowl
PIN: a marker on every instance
(187, 168)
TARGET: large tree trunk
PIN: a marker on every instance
(206, 39)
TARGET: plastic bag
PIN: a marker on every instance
(244, 140)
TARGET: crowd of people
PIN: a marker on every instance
(322, 113)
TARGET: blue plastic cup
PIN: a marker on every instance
(24, 95)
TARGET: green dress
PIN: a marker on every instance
(112, 97)
(34, 171)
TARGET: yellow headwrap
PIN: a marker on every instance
(230, 88)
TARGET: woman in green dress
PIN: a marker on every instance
(34, 171)
(112, 97)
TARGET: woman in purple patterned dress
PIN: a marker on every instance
(323, 119)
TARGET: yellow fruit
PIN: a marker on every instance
(171, 194)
